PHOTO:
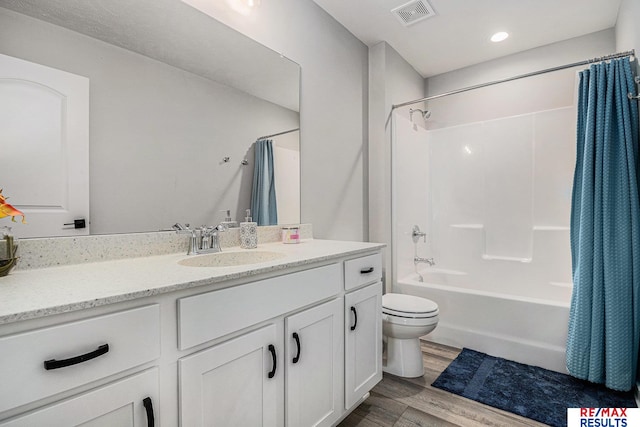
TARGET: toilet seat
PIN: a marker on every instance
(408, 306)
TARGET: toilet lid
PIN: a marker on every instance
(408, 306)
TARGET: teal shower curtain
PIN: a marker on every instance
(604, 320)
(263, 193)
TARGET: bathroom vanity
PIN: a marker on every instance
(295, 340)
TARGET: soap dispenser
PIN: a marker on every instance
(228, 222)
(248, 233)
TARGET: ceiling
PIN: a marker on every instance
(458, 35)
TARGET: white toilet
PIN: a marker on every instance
(405, 318)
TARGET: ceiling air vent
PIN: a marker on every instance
(414, 11)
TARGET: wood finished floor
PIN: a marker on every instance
(412, 402)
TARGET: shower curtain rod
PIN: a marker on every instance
(521, 76)
(278, 134)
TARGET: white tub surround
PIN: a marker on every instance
(121, 341)
(525, 329)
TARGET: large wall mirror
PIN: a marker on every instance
(177, 101)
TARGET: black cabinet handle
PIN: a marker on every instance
(56, 364)
(366, 270)
(297, 338)
(272, 349)
(148, 406)
(355, 315)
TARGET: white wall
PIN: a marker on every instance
(392, 80)
(286, 162)
(333, 118)
(412, 201)
(157, 133)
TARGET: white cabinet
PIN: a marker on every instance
(298, 349)
(314, 365)
(363, 342)
(234, 383)
(43, 362)
(240, 382)
(125, 403)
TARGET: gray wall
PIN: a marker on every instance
(333, 107)
(560, 53)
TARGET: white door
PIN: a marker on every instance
(234, 383)
(315, 366)
(44, 141)
(363, 342)
(125, 403)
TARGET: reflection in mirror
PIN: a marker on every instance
(177, 101)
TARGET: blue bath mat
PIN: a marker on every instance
(529, 391)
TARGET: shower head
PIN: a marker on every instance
(425, 114)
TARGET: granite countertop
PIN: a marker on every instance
(34, 293)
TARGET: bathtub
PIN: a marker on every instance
(522, 328)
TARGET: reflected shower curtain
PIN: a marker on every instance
(263, 193)
(604, 321)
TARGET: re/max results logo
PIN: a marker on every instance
(603, 417)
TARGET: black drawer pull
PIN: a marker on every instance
(272, 349)
(366, 270)
(297, 338)
(355, 316)
(148, 406)
(56, 364)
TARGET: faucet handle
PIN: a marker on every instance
(416, 234)
(184, 229)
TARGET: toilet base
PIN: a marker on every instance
(404, 358)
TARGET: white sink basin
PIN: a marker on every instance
(229, 259)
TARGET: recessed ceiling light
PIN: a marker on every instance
(244, 7)
(499, 36)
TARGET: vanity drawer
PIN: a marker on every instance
(205, 317)
(361, 271)
(132, 338)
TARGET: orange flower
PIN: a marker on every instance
(7, 210)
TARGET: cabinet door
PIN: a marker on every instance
(363, 342)
(127, 402)
(314, 365)
(234, 383)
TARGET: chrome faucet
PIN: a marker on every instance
(417, 260)
(203, 240)
(193, 241)
(211, 238)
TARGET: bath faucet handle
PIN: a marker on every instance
(193, 241)
(416, 234)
